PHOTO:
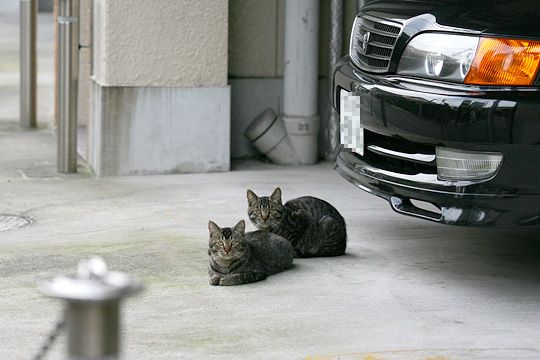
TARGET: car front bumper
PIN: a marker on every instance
(410, 115)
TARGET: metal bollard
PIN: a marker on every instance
(68, 80)
(28, 66)
(92, 298)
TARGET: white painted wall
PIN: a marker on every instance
(160, 42)
(160, 130)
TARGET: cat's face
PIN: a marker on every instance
(265, 212)
(227, 244)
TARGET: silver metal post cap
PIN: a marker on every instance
(92, 283)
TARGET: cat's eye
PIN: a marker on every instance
(220, 243)
(234, 242)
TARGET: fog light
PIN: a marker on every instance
(455, 164)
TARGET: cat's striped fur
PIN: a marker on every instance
(313, 226)
(236, 257)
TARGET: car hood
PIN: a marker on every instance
(517, 17)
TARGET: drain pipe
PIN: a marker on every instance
(300, 77)
(334, 54)
(292, 138)
(268, 134)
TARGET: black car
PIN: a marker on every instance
(439, 105)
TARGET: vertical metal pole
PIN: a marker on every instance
(68, 76)
(94, 330)
(28, 67)
(334, 54)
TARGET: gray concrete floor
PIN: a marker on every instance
(407, 289)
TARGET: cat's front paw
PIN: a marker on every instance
(214, 280)
(227, 281)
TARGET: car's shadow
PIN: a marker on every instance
(490, 256)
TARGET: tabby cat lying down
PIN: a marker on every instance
(237, 257)
(313, 226)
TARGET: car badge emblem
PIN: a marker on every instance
(364, 42)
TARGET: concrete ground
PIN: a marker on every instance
(407, 289)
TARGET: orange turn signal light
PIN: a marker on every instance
(511, 62)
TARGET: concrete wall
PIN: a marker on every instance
(161, 101)
(256, 42)
(194, 48)
(85, 63)
(9, 6)
(160, 130)
(161, 43)
(256, 37)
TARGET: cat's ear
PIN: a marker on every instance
(240, 227)
(212, 227)
(251, 197)
(276, 195)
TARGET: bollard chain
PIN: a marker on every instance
(51, 338)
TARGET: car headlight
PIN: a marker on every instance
(505, 62)
(439, 56)
(472, 60)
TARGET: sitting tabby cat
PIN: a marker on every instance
(313, 226)
(238, 258)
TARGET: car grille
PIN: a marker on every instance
(373, 42)
(397, 164)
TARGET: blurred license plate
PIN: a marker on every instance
(350, 125)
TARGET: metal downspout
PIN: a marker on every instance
(292, 138)
(334, 54)
(300, 77)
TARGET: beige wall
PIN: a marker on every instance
(179, 43)
(256, 36)
(85, 61)
(253, 39)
